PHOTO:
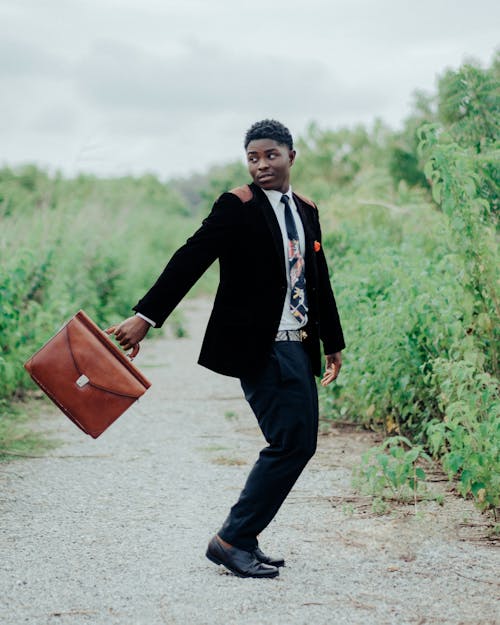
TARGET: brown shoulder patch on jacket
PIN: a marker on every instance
(305, 199)
(244, 193)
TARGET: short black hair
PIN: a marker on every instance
(269, 129)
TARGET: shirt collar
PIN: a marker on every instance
(274, 197)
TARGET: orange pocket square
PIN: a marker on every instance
(317, 246)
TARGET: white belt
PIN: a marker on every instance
(291, 335)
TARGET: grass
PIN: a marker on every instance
(17, 437)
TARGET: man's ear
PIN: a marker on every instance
(291, 155)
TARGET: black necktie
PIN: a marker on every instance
(298, 299)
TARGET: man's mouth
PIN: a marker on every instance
(265, 177)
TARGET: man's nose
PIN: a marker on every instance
(262, 164)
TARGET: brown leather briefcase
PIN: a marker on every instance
(84, 373)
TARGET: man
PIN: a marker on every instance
(273, 305)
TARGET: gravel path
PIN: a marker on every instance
(114, 531)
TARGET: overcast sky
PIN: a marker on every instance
(122, 86)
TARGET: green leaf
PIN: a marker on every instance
(466, 476)
(420, 473)
(383, 460)
(454, 462)
(412, 455)
(476, 487)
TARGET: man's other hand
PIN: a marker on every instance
(333, 365)
(129, 333)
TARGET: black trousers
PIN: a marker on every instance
(284, 398)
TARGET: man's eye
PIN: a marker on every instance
(271, 156)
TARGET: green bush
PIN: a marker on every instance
(99, 246)
(417, 284)
(467, 439)
(393, 471)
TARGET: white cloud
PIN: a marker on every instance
(204, 79)
(113, 86)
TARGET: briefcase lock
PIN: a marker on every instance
(82, 380)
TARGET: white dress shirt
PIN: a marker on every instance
(288, 321)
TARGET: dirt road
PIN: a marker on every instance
(113, 531)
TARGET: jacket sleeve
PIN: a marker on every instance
(190, 261)
(330, 329)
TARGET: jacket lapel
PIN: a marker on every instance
(305, 222)
(272, 223)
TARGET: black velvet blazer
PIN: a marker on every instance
(242, 232)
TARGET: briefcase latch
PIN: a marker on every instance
(82, 380)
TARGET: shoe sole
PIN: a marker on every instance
(215, 560)
(276, 564)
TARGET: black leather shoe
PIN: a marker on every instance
(261, 557)
(241, 563)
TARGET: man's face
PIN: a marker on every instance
(269, 164)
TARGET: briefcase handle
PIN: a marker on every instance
(134, 352)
